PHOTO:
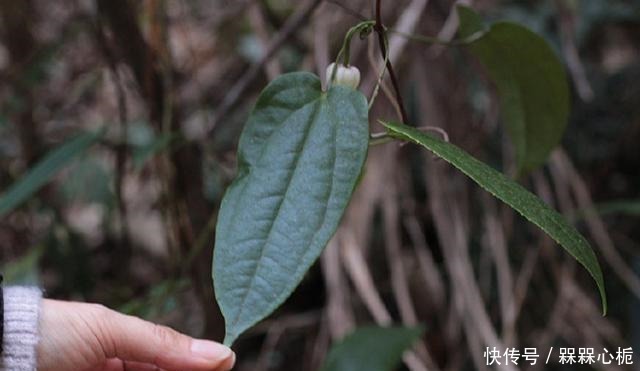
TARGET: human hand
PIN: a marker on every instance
(90, 337)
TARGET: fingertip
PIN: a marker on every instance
(211, 351)
(229, 362)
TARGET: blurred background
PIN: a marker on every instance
(129, 222)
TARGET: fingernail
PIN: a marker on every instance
(229, 365)
(210, 350)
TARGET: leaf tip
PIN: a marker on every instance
(229, 338)
(605, 304)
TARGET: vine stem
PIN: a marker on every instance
(380, 30)
(434, 40)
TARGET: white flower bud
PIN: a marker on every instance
(345, 75)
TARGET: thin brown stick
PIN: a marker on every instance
(383, 84)
(339, 313)
(497, 244)
(545, 338)
(426, 263)
(380, 30)
(397, 268)
(272, 67)
(566, 24)
(321, 346)
(448, 30)
(268, 348)
(560, 161)
(121, 148)
(356, 267)
(347, 10)
(236, 92)
(453, 236)
(321, 44)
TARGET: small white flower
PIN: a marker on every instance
(345, 75)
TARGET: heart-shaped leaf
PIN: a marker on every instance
(514, 195)
(299, 159)
(531, 83)
(371, 349)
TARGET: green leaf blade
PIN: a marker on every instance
(300, 156)
(531, 83)
(371, 349)
(517, 197)
(45, 169)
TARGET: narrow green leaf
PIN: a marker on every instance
(299, 159)
(514, 195)
(45, 169)
(371, 349)
(531, 83)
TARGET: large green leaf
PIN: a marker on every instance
(531, 83)
(371, 349)
(514, 195)
(45, 169)
(299, 158)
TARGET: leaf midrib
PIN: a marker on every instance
(279, 207)
(333, 182)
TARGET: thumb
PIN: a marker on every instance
(132, 339)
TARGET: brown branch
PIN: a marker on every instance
(357, 269)
(380, 30)
(339, 312)
(347, 10)
(259, 23)
(236, 92)
(16, 22)
(566, 20)
(120, 15)
(121, 148)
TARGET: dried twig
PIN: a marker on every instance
(347, 10)
(450, 27)
(340, 316)
(121, 148)
(564, 168)
(383, 84)
(566, 23)
(426, 263)
(272, 67)
(452, 235)
(357, 269)
(497, 244)
(382, 43)
(397, 267)
(234, 94)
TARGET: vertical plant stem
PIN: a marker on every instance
(380, 30)
(121, 148)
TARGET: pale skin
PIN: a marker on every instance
(91, 337)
